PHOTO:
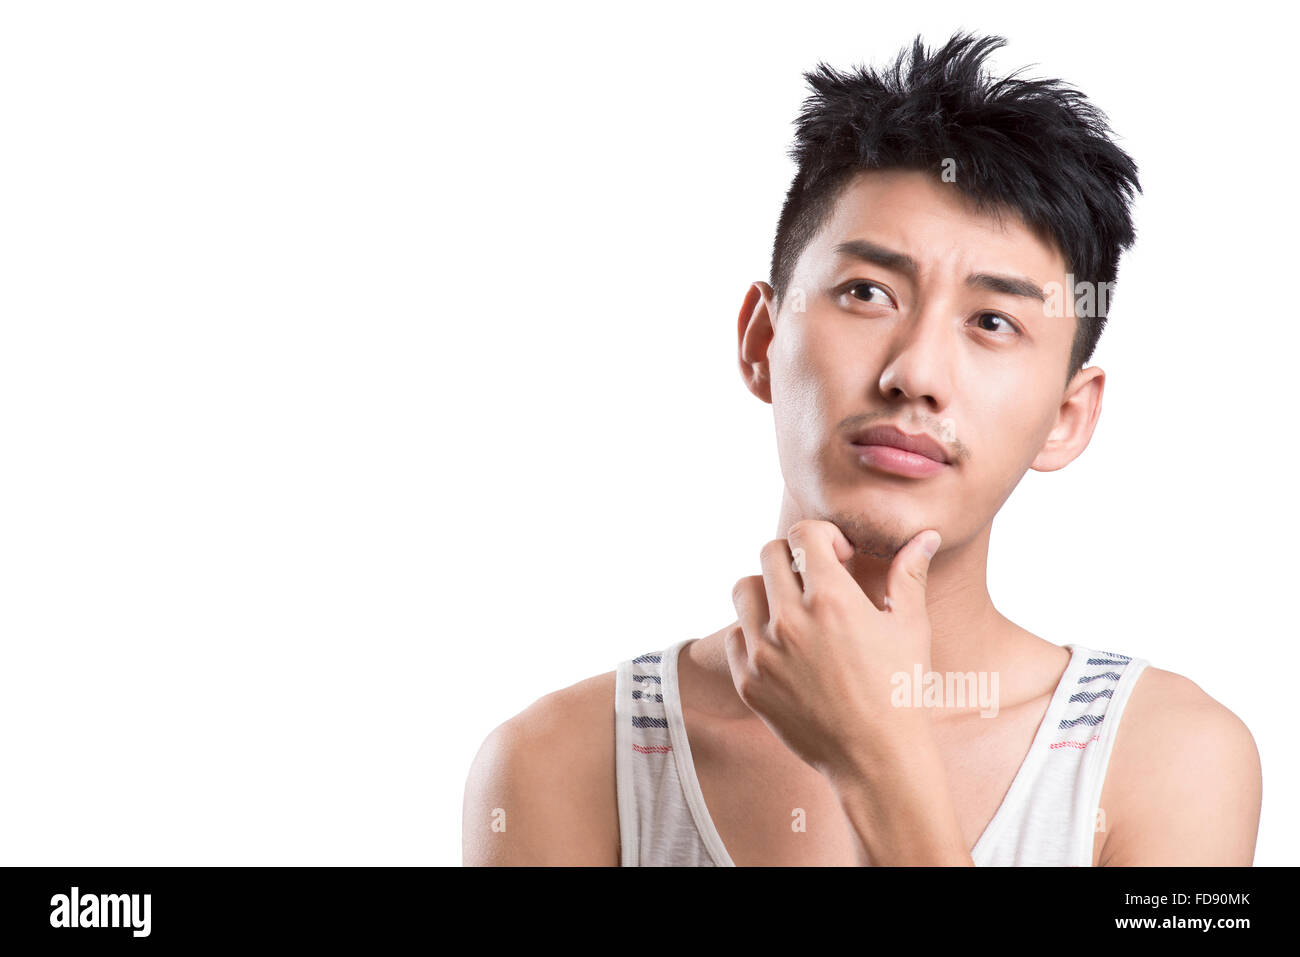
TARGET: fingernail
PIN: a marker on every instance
(931, 544)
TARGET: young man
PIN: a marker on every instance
(940, 276)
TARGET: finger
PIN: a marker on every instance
(737, 655)
(750, 598)
(784, 587)
(909, 573)
(824, 549)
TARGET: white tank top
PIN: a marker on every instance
(1049, 816)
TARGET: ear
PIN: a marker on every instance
(754, 332)
(1075, 421)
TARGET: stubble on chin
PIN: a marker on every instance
(870, 539)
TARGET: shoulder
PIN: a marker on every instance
(542, 788)
(1184, 784)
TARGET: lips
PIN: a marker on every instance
(921, 444)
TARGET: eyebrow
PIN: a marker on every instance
(870, 252)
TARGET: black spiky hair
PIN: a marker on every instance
(1036, 148)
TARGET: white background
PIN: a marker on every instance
(368, 370)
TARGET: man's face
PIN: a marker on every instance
(974, 365)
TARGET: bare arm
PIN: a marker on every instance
(1188, 780)
(541, 790)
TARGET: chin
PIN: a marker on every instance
(872, 537)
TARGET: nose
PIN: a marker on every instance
(920, 358)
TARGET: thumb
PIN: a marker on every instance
(910, 572)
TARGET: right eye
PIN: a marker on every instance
(853, 290)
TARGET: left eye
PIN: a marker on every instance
(1002, 319)
(852, 290)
